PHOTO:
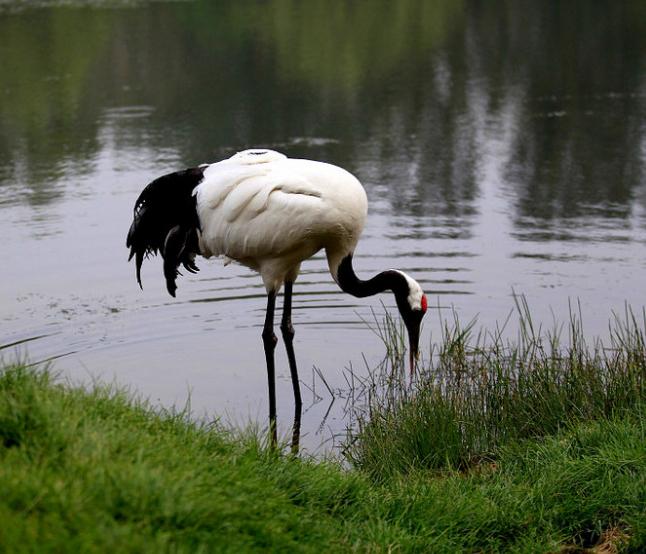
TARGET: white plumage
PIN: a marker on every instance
(269, 212)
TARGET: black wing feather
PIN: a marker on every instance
(165, 221)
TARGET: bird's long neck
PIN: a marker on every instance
(386, 280)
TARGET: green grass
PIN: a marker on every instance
(479, 393)
(96, 471)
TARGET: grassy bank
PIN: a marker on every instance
(94, 471)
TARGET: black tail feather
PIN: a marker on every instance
(165, 221)
(174, 249)
(139, 260)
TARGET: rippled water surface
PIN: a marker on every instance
(502, 146)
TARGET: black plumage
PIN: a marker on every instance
(166, 222)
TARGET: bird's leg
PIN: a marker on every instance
(269, 341)
(288, 336)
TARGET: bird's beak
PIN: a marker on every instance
(413, 350)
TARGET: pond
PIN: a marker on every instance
(502, 146)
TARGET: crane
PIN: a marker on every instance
(268, 212)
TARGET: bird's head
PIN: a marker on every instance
(412, 304)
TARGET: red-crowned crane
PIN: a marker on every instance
(268, 212)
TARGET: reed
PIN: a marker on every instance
(478, 391)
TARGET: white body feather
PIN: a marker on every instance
(269, 212)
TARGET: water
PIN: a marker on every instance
(502, 147)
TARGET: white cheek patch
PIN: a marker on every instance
(415, 292)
